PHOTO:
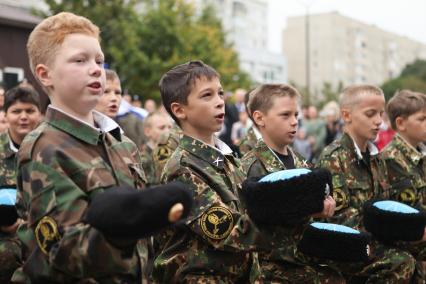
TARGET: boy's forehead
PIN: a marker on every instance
(202, 81)
(368, 100)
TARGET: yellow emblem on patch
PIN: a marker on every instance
(340, 197)
(47, 234)
(217, 223)
(163, 153)
(407, 196)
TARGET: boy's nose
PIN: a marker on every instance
(96, 70)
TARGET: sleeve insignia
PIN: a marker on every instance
(407, 196)
(163, 153)
(217, 223)
(340, 197)
(47, 234)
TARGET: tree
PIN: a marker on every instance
(143, 39)
(413, 77)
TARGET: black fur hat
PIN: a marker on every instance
(391, 221)
(287, 201)
(335, 242)
(8, 214)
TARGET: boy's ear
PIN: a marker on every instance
(42, 73)
(258, 118)
(346, 115)
(400, 123)
(178, 110)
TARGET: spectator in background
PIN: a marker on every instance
(302, 145)
(333, 126)
(385, 134)
(315, 132)
(136, 101)
(3, 122)
(2, 90)
(239, 128)
(231, 116)
(150, 105)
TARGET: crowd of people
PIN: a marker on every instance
(211, 187)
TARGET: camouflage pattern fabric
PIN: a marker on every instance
(407, 177)
(248, 142)
(7, 162)
(165, 148)
(149, 166)
(132, 126)
(282, 263)
(355, 182)
(216, 242)
(61, 165)
(10, 256)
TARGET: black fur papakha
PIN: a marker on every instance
(8, 215)
(333, 245)
(388, 226)
(286, 202)
(127, 213)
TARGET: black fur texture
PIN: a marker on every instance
(126, 213)
(8, 215)
(286, 202)
(332, 245)
(389, 226)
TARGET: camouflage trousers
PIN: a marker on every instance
(386, 265)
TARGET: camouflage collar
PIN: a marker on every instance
(267, 157)
(78, 128)
(350, 143)
(409, 151)
(212, 155)
(8, 149)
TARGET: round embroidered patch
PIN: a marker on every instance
(163, 153)
(217, 223)
(47, 234)
(407, 196)
(340, 197)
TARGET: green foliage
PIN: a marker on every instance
(143, 43)
(413, 78)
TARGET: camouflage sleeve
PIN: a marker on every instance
(54, 231)
(344, 213)
(218, 223)
(10, 259)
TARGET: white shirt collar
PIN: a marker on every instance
(371, 148)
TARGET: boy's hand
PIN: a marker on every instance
(175, 212)
(329, 207)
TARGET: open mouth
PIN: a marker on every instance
(95, 85)
(220, 116)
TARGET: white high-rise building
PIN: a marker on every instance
(345, 50)
(246, 26)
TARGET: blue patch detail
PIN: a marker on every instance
(7, 196)
(393, 206)
(284, 174)
(334, 227)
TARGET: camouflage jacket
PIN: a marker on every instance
(132, 126)
(165, 148)
(249, 141)
(7, 162)
(149, 166)
(283, 240)
(10, 256)
(406, 171)
(218, 238)
(354, 181)
(61, 165)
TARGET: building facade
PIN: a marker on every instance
(344, 51)
(245, 23)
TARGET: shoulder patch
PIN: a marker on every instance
(340, 197)
(217, 222)
(46, 233)
(163, 153)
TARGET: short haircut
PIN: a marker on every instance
(350, 95)
(147, 122)
(262, 97)
(21, 94)
(403, 104)
(177, 83)
(111, 75)
(47, 37)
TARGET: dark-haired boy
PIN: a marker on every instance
(217, 242)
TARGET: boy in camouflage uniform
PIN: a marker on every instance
(217, 242)
(405, 158)
(273, 109)
(72, 157)
(156, 125)
(23, 114)
(360, 175)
